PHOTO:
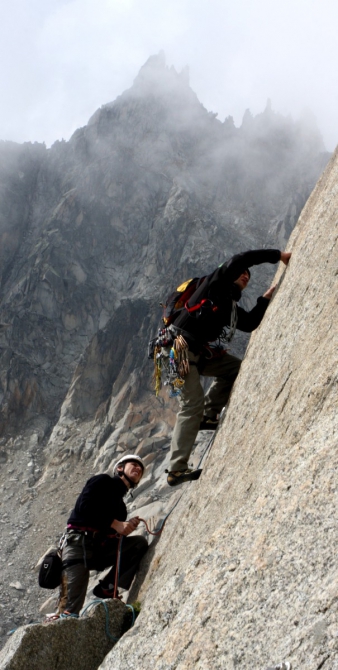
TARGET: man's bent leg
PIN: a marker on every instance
(132, 551)
(188, 418)
(225, 370)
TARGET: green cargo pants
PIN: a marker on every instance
(193, 404)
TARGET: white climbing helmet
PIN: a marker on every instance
(130, 458)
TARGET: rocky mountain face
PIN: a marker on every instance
(94, 232)
(245, 575)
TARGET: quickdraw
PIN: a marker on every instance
(181, 351)
(172, 360)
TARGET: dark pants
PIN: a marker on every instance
(96, 554)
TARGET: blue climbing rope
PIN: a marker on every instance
(108, 633)
(133, 615)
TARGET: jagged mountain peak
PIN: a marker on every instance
(156, 75)
(158, 92)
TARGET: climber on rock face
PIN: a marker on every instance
(206, 326)
(91, 539)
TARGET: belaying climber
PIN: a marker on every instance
(92, 536)
(212, 314)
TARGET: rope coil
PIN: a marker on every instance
(182, 349)
(108, 633)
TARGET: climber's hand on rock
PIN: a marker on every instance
(285, 257)
(269, 292)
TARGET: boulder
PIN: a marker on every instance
(75, 644)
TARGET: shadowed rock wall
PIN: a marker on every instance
(245, 574)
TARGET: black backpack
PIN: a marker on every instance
(177, 300)
(175, 303)
(50, 570)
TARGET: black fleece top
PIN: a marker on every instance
(218, 288)
(99, 503)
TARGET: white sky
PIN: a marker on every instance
(62, 59)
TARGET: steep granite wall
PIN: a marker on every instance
(246, 574)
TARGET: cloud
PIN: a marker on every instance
(62, 59)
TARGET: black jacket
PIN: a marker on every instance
(99, 503)
(206, 324)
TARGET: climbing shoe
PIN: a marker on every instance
(208, 423)
(179, 477)
(54, 616)
(103, 592)
(68, 615)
